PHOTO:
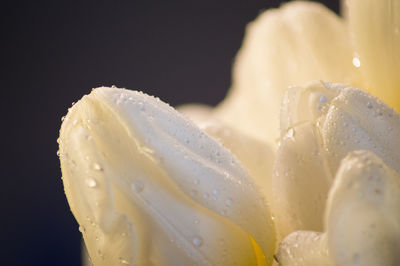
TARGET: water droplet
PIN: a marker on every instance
(322, 99)
(82, 229)
(369, 105)
(215, 192)
(290, 133)
(228, 202)
(74, 122)
(197, 241)
(123, 261)
(187, 140)
(196, 221)
(196, 181)
(205, 195)
(97, 167)
(58, 153)
(137, 186)
(91, 183)
(356, 61)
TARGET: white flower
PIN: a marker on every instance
(310, 168)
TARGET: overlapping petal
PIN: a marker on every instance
(148, 187)
(256, 155)
(320, 124)
(299, 42)
(362, 215)
(304, 248)
(362, 221)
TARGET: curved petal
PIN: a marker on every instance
(362, 219)
(362, 216)
(375, 29)
(148, 187)
(307, 103)
(356, 121)
(300, 181)
(304, 248)
(255, 155)
(299, 42)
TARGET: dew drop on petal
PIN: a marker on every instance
(137, 186)
(356, 61)
(123, 261)
(91, 183)
(197, 241)
(97, 167)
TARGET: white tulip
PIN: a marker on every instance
(275, 159)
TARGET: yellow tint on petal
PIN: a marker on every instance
(148, 187)
(304, 248)
(362, 213)
(299, 42)
(375, 29)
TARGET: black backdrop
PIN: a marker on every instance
(53, 52)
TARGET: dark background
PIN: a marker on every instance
(54, 52)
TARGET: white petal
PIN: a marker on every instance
(255, 155)
(355, 121)
(299, 42)
(304, 248)
(307, 103)
(300, 181)
(375, 28)
(363, 213)
(148, 187)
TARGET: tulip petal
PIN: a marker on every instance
(362, 216)
(299, 42)
(375, 28)
(304, 248)
(148, 187)
(300, 181)
(307, 103)
(254, 154)
(357, 120)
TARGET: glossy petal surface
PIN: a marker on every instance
(375, 30)
(149, 188)
(299, 42)
(362, 216)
